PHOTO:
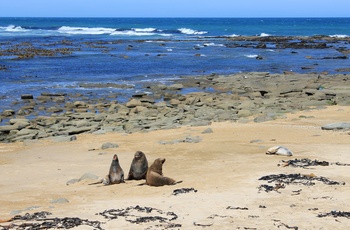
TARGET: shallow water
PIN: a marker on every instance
(139, 51)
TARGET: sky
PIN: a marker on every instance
(174, 8)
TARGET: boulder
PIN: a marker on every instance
(336, 126)
(27, 97)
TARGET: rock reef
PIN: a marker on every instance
(191, 101)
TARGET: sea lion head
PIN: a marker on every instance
(157, 165)
(138, 155)
(115, 160)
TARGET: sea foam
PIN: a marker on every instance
(132, 33)
(251, 56)
(191, 32)
(339, 36)
(213, 44)
(85, 30)
(145, 29)
(12, 28)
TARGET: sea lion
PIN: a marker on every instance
(138, 167)
(279, 150)
(155, 176)
(116, 173)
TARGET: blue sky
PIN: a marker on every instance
(175, 8)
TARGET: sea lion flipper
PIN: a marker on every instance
(97, 182)
(130, 176)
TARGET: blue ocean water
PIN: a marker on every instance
(140, 50)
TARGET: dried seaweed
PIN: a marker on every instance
(340, 164)
(39, 220)
(136, 215)
(236, 208)
(298, 178)
(183, 190)
(305, 162)
(335, 214)
(269, 188)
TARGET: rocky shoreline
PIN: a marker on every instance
(190, 101)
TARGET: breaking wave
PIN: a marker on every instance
(12, 28)
(191, 32)
(85, 30)
(251, 55)
(339, 36)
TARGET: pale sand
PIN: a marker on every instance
(224, 167)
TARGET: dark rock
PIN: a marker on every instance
(53, 94)
(27, 96)
(336, 57)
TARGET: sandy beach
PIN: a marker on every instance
(223, 167)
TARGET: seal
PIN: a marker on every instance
(116, 173)
(155, 176)
(138, 167)
(279, 150)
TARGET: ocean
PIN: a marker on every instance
(72, 55)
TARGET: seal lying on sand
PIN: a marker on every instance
(279, 150)
(139, 167)
(155, 176)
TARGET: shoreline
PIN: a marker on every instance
(189, 101)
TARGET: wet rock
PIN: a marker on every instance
(175, 87)
(27, 97)
(8, 113)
